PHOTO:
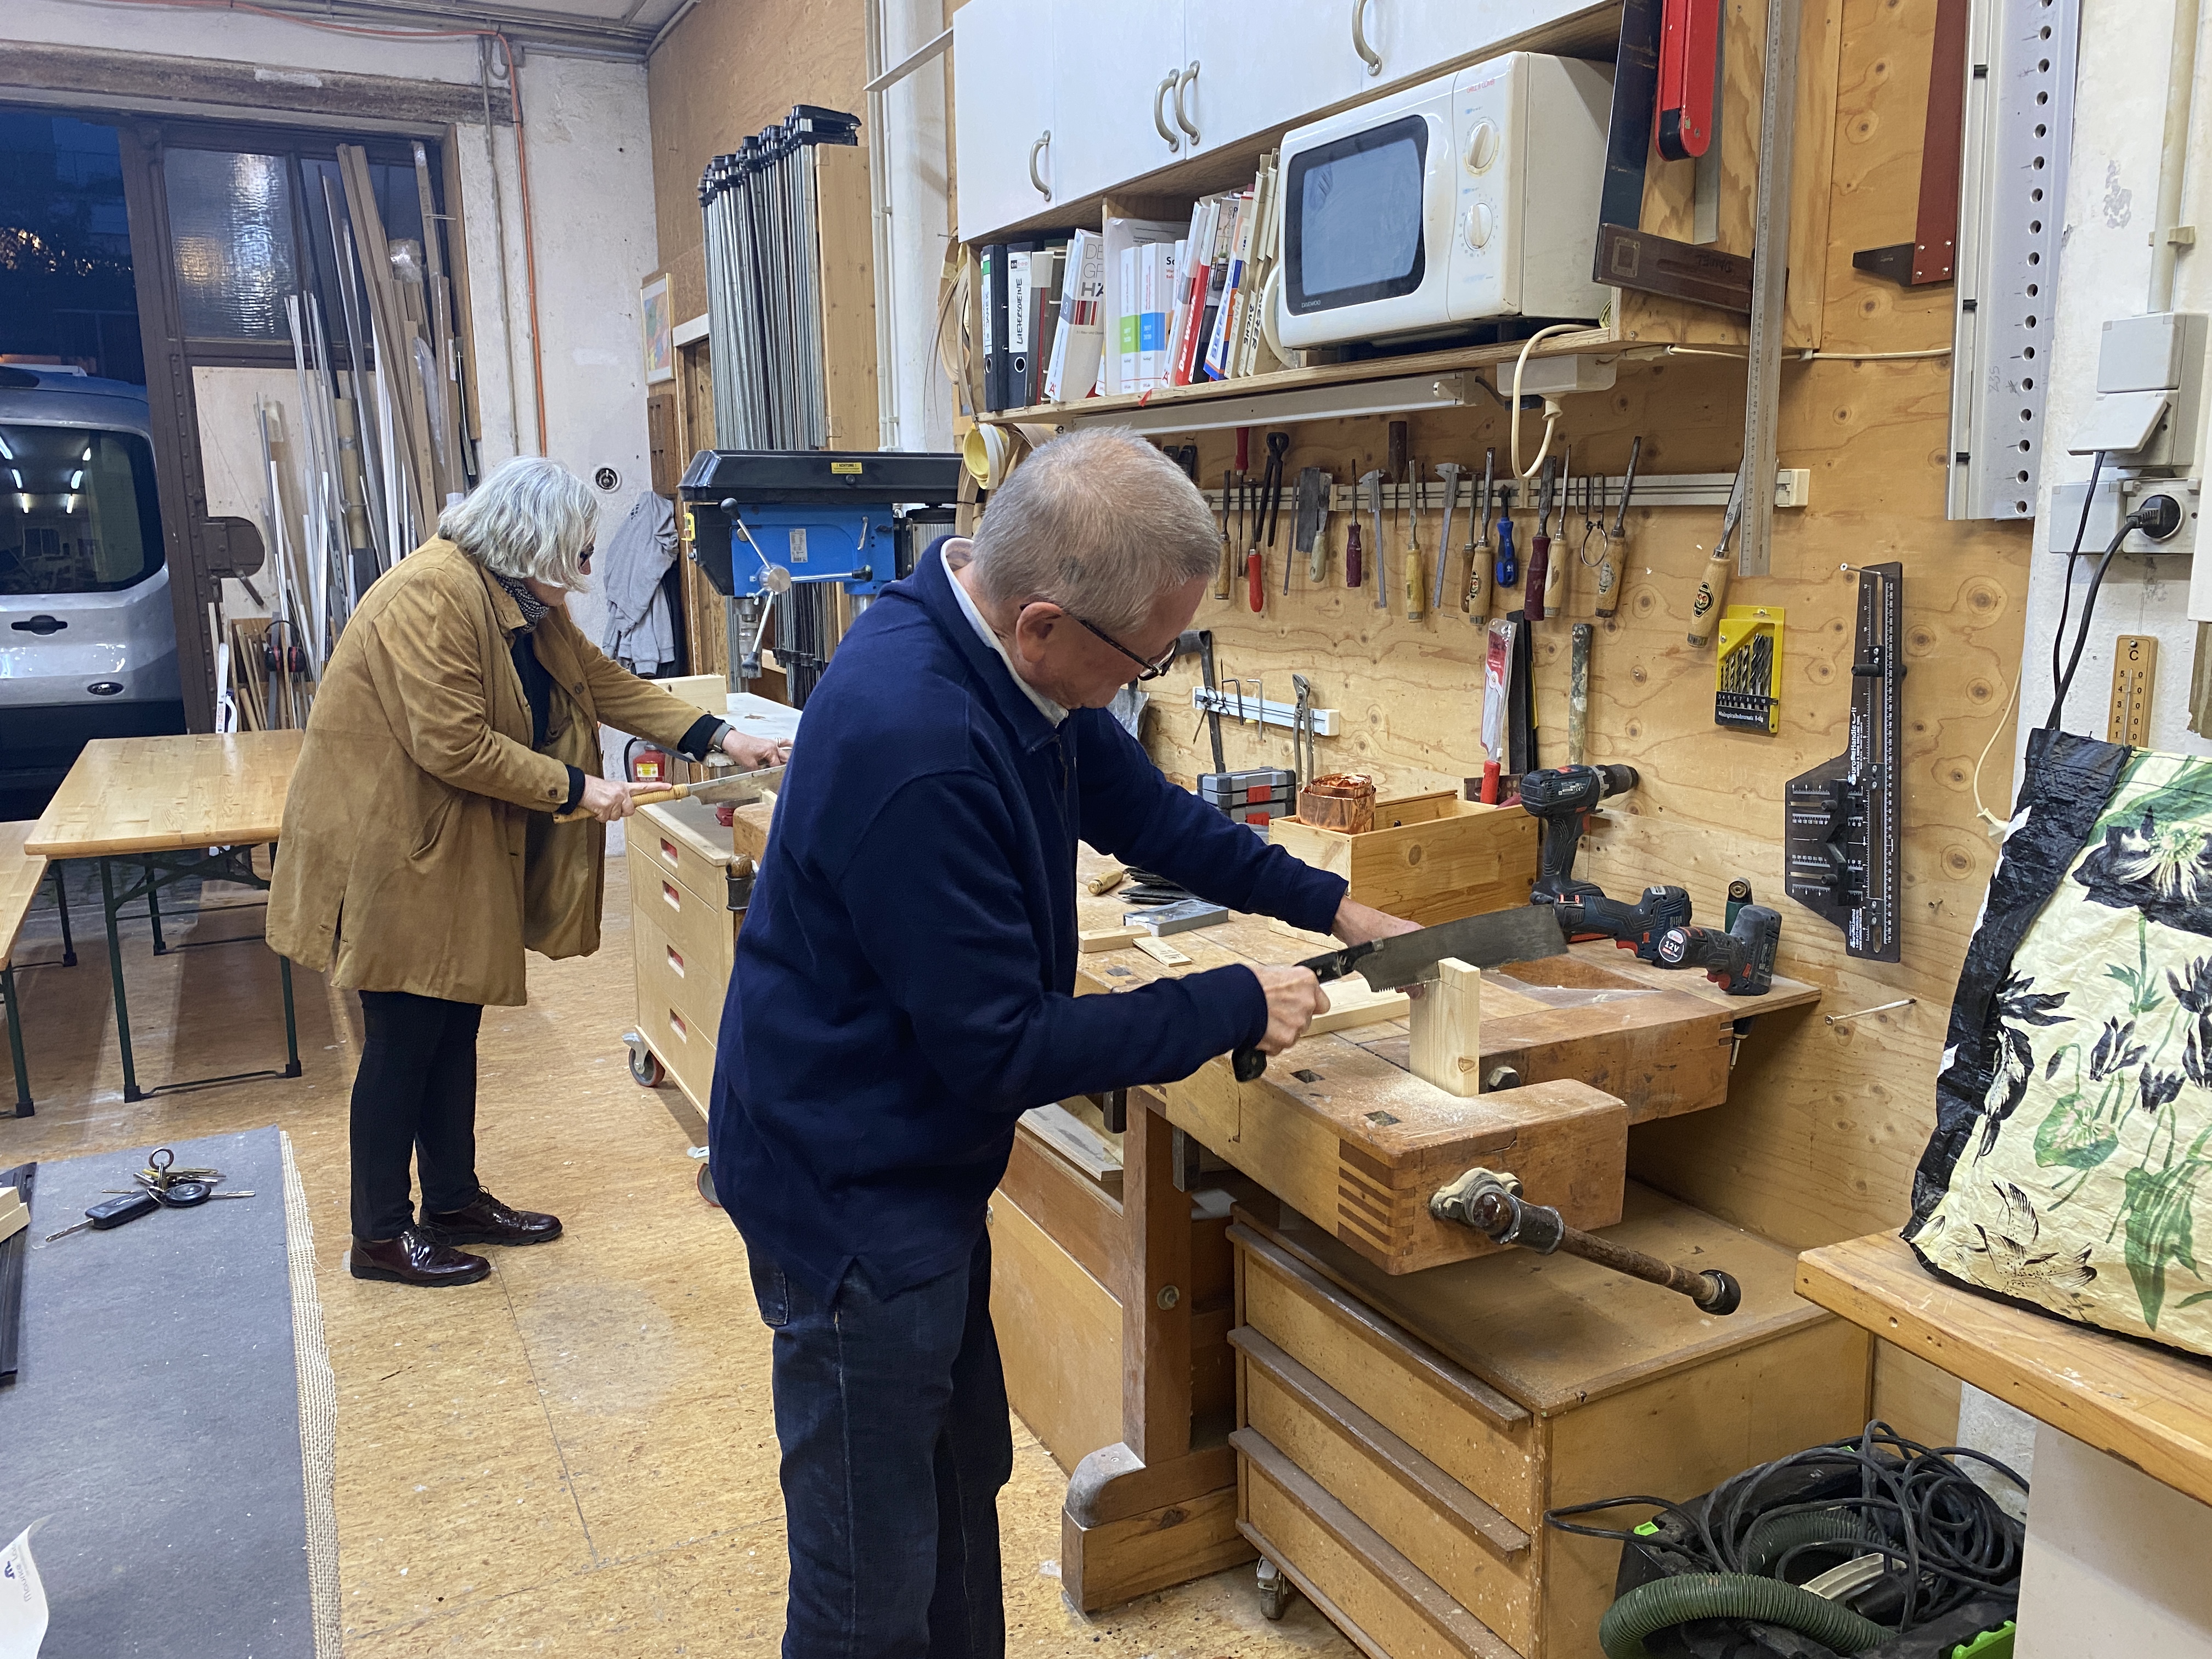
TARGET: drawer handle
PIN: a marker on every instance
(1036, 149)
(1368, 55)
(675, 961)
(676, 1024)
(1159, 118)
(668, 852)
(674, 898)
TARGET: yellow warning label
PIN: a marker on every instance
(690, 529)
(844, 466)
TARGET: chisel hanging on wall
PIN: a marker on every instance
(1712, 588)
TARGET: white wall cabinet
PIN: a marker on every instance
(1114, 115)
(1002, 112)
(1104, 80)
(1308, 64)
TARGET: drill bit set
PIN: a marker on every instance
(1748, 670)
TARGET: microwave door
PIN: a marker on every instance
(1365, 246)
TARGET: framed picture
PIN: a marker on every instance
(659, 324)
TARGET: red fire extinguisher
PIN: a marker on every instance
(643, 763)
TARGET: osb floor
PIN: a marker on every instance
(576, 1456)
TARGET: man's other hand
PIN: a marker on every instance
(1294, 997)
(1356, 923)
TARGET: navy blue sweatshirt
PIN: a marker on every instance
(904, 981)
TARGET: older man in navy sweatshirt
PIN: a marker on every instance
(904, 991)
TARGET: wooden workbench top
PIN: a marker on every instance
(1596, 990)
(2149, 1406)
(168, 794)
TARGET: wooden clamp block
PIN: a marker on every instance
(1108, 938)
(1446, 1027)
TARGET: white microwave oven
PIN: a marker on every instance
(1470, 197)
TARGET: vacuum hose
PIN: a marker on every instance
(1667, 1602)
(1772, 1537)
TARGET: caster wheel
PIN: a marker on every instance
(1275, 1590)
(706, 1186)
(646, 1069)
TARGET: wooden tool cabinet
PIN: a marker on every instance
(1399, 1437)
(683, 932)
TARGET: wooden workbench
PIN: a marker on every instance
(2149, 1406)
(171, 809)
(1141, 1262)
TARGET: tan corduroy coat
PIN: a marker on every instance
(419, 851)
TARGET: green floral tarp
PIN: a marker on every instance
(2074, 1140)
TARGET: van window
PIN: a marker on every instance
(78, 510)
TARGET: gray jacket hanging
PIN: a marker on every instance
(640, 634)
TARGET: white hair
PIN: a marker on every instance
(1099, 522)
(528, 519)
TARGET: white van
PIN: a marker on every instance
(87, 637)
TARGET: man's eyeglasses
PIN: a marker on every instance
(1151, 670)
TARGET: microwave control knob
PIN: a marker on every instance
(1482, 146)
(1479, 222)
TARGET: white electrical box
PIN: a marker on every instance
(1557, 377)
(2150, 393)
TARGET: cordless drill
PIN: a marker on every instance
(1562, 796)
(1639, 926)
(1741, 961)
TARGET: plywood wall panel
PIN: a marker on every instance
(1823, 1122)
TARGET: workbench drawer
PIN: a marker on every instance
(673, 855)
(703, 930)
(1384, 1602)
(1469, 1550)
(1478, 1436)
(684, 1045)
(668, 974)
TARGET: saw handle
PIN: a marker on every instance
(1248, 1063)
(650, 798)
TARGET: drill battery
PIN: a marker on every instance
(1253, 797)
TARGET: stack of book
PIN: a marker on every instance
(1136, 306)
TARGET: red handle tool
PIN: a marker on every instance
(1354, 572)
(1532, 591)
(1255, 574)
(1688, 41)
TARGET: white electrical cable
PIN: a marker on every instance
(1551, 405)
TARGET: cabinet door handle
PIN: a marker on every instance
(1159, 111)
(1036, 149)
(1184, 82)
(1368, 55)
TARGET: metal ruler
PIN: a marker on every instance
(1770, 267)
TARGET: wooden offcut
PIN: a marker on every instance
(1446, 1045)
(1429, 858)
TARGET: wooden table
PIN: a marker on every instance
(173, 808)
(2150, 1407)
(1158, 1505)
(21, 874)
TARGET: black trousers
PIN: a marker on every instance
(415, 1094)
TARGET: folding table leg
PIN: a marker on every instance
(153, 907)
(61, 902)
(23, 1106)
(291, 1021)
(130, 1089)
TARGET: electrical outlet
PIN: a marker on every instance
(2116, 498)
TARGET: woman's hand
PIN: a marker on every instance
(1294, 997)
(1356, 923)
(753, 753)
(608, 800)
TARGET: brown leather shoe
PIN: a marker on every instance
(416, 1258)
(487, 1221)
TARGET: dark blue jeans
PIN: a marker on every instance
(891, 1415)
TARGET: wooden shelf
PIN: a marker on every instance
(1261, 387)
(2149, 1406)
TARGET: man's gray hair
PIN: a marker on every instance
(528, 519)
(1099, 522)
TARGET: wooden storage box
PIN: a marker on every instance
(1400, 1439)
(1429, 858)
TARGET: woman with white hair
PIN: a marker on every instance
(420, 856)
